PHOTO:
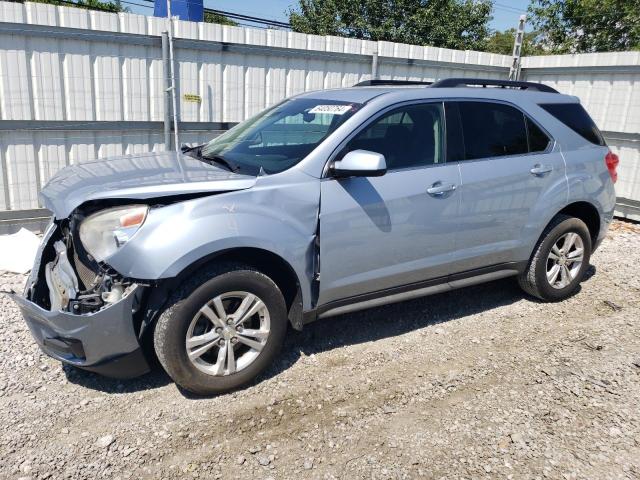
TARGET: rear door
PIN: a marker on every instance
(383, 232)
(511, 176)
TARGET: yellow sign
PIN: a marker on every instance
(190, 97)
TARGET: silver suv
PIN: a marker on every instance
(329, 202)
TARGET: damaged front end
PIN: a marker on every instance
(79, 310)
(75, 282)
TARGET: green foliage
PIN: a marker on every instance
(578, 26)
(459, 24)
(502, 42)
(211, 17)
(108, 6)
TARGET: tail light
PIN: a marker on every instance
(612, 162)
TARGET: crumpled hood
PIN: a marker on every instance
(137, 177)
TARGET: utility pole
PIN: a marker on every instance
(173, 80)
(514, 71)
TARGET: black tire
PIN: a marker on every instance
(534, 279)
(172, 326)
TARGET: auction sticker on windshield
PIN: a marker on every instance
(331, 109)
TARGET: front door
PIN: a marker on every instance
(378, 233)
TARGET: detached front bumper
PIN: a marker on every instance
(103, 341)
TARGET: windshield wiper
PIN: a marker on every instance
(219, 159)
(196, 152)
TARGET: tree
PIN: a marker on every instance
(460, 24)
(578, 26)
(212, 17)
(502, 42)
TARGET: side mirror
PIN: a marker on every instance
(360, 163)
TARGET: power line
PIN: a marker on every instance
(133, 3)
(605, 15)
(502, 6)
(254, 13)
(80, 4)
(242, 18)
(265, 23)
(250, 18)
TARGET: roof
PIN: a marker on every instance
(401, 93)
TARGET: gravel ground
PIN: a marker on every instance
(476, 383)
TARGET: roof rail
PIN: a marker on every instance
(376, 82)
(486, 82)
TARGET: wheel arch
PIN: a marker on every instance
(588, 213)
(267, 262)
(583, 210)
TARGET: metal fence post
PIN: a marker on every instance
(172, 66)
(166, 85)
(374, 64)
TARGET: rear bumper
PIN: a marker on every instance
(605, 222)
(104, 342)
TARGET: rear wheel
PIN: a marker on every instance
(221, 329)
(559, 261)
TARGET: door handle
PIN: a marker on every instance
(438, 189)
(540, 170)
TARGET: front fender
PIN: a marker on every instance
(281, 219)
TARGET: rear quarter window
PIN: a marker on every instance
(538, 140)
(574, 116)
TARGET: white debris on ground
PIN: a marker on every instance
(477, 383)
(18, 251)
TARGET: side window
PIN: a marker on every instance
(574, 116)
(492, 130)
(407, 137)
(538, 140)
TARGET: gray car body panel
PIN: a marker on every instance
(105, 334)
(505, 208)
(374, 235)
(588, 179)
(136, 177)
(279, 214)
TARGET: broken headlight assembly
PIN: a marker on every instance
(105, 232)
(76, 277)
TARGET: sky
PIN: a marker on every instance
(506, 12)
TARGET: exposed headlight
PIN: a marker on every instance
(104, 232)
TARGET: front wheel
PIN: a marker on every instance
(221, 329)
(559, 261)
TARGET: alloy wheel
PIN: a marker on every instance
(565, 260)
(228, 333)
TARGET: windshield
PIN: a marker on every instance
(279, 137)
